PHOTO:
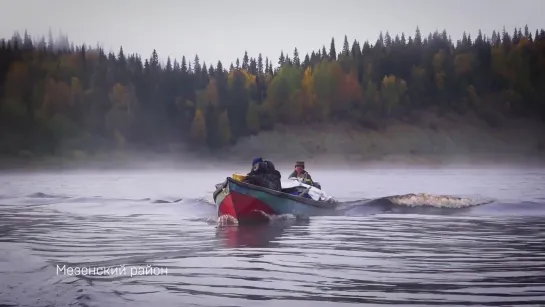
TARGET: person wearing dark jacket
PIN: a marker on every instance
(264, 174)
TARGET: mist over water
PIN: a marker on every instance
(476, 237)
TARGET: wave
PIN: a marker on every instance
(77, 199)
(228, 220)
(408, 200)
(523, 208)
(203, 207)
(437, 201)
(440, 205)
(44, 195)
(411, 203)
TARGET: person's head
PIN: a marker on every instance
(256, 161)
(299, 166)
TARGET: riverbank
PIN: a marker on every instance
(422, 140)
(423, 137)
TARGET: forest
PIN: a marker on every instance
(57, 96)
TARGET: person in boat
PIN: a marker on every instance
(301, 174)
(264, 174)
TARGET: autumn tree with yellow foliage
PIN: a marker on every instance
(198, 128)
(393, 90)
(55, 94)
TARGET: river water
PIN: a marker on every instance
(484, 245)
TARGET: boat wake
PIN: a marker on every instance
(229, 220)
(421, 203)
(203, 209)
(436, 201)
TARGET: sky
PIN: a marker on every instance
(223, 30)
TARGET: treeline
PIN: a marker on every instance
(55, 93)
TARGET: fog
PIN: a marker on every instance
(169, 163)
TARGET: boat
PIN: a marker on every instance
(248, 203)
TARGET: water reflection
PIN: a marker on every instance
(374, 259)
(257, 235)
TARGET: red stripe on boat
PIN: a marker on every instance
(242, 206)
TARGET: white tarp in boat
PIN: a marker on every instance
(313, 192)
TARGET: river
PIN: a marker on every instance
(156, 232)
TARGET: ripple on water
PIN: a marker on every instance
(348, 261)
(381, 259)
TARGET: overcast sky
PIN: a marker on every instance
(223, 30)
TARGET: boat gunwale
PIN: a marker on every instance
(311, 202)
